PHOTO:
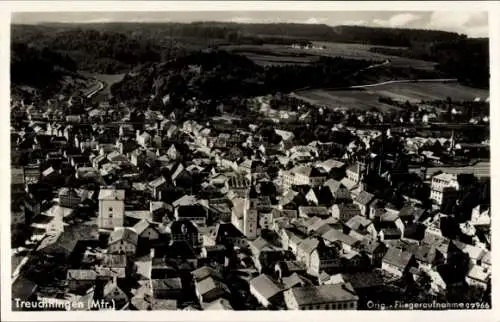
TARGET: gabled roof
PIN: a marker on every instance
(111, 194)
(334, 235)
(123, 233)
(265, 286)
(166, 284)
(364, 198)
(205, 272)
(308, 245)
(209, 284)
(397, 257)
(157, 182)
(142, 225)
(308, 295)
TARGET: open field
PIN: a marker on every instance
(366, 98)
(108, 80)
(262, 54)
(343, 99)
(415, 92)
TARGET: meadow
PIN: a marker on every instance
(270, 54)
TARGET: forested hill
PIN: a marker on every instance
(41, 69)
(466, 59)
(120, 47)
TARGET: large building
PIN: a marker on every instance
(111, 208)
(303, 175)
(443, 188)
(324, 297)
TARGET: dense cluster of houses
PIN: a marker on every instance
(171, 215)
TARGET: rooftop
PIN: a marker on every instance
(323, 294)
(111, 194)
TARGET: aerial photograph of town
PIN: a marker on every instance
(250, 161)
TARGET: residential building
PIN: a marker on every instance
(111, 208)
(324, 297)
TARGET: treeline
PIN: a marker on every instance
(466, 59)
(116, 47)
(42, 68)
(224, 74)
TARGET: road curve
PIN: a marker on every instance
(428, 80)
(99, 88)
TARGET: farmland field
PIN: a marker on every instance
(343, 99)
(261, 54)
(415, 92)
(368, 97)
(108, 79)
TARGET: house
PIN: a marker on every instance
(363, 200)
(355, 172)
(218, 305)
(444, 188)
(111, 208)
(324, 297)
(266, 290)
(344, 212)
(157, 186)
(69, 198)
(308, 212)
(292, 200)
(410, 214)
(143, 139)
(123, 240)
(80, 279)
(186, 231)
(287, 268)
(303, 175)
(397, 261)
(195, 213)
(167, 288)
(112, 266)
(337, 190)
(305, 249)
(324, 258)
(361, 225)
(375, 250)
(146, 231)
(337, 237)
(210, 288)
(114, 296)
(478, 276)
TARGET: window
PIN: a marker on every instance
(110, 209)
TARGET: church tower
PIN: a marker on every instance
(250, 214)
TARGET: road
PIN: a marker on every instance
(403, 81)
(100, 87)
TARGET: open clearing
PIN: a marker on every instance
(109, 80)
(343, 99)
(269, 54)
(416, 92)
(368, 98)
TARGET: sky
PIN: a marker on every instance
(471, 23)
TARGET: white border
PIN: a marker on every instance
(112, 6)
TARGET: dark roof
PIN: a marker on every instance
(397, 257)
(166, 284)
(266, 286)
(190, 211)
(123, 233)
(364, 198)
(205, 272)
(322, 294)
(361, 280)
(179, 227)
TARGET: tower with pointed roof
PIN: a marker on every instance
(250, 214)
